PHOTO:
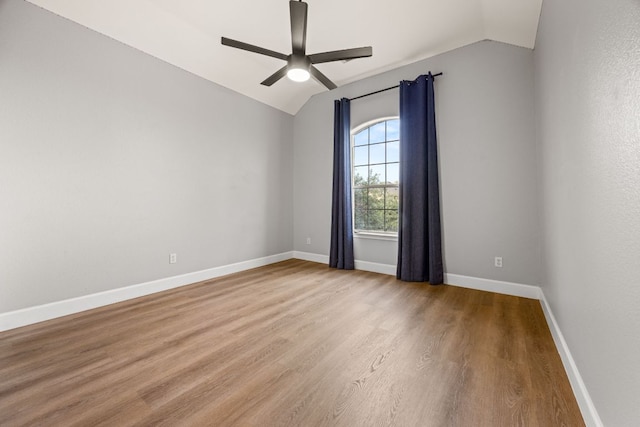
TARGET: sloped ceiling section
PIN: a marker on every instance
(187, 34)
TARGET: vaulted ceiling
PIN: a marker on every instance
(187, 33)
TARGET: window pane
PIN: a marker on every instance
(393, 151)
(360, 208)
(376, 133)
(376, 174)
(376, 198)
(393, 130)
(393, 173)
(361, 138)
(375, 220)
(377, 153)
(360, 175)
(376, 156)
(360, 155)
(360, 198)
(360, 220)
(391, 220)
(391, 199)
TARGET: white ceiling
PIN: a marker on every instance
(187, 33)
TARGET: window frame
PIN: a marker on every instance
(369, 234)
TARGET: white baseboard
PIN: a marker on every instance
(587, 408)
(40, 313)
(507, 288)
(360, 265)
(376, 267)
(308, 256)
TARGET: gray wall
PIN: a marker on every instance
(587, 61)
(485, 110)
(111, 159)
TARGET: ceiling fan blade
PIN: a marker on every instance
(321, 78)
(298, 12)
(252, 48)
(341, 55)
(275, 76)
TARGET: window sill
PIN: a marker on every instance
(374, 236)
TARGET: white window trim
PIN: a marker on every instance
(372, 235)
(366, 234)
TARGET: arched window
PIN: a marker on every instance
(376, 174)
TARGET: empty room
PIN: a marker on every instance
(320, 213)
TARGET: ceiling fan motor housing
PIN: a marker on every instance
(299, 61)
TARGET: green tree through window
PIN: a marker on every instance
(376, 173)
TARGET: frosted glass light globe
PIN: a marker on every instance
(298, 74)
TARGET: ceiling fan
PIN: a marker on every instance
(300, 65)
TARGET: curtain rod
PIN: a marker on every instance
(383, 90)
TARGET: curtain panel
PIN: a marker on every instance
(341, 251)
(419, 234)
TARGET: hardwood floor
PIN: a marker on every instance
(294, 343)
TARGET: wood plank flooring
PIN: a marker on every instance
(291, 344)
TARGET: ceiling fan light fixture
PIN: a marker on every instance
(298, 74)
(300, 66)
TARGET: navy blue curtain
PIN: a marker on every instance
(341, 252)
(419, 234)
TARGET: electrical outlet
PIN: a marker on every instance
(308, 240)
(498, 262)
(173, 258)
